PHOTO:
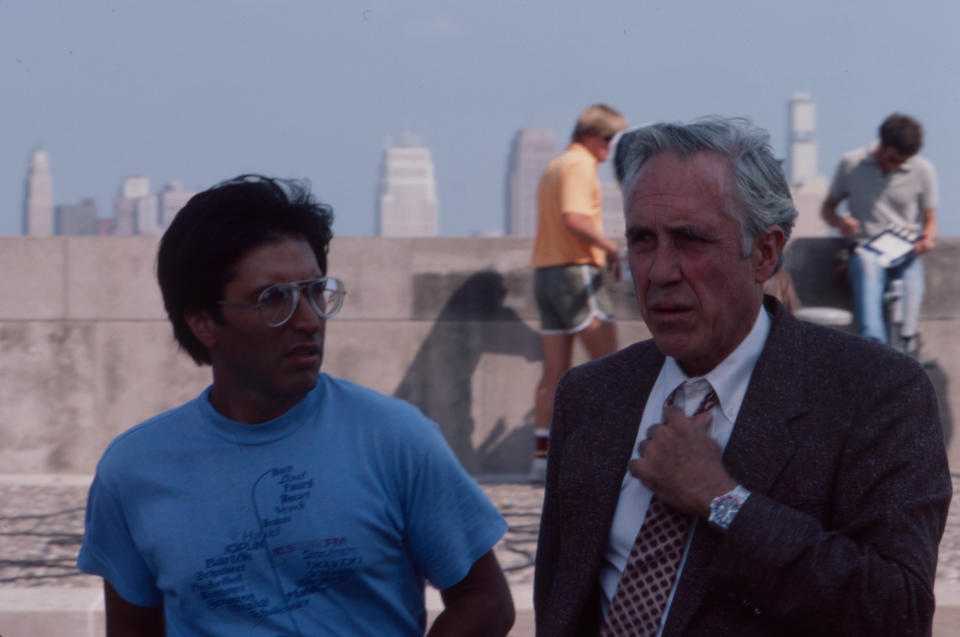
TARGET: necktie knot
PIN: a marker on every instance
(693, 397)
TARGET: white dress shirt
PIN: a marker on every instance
(729, 380)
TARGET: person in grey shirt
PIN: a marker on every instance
(887, 186)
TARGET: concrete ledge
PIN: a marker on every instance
(54, 612)
(47, 479)
(946, 619)
(51, 612)
(947, 593)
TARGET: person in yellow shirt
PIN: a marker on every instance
(569, 254)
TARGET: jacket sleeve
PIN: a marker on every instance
(548, 543)
(859, 558)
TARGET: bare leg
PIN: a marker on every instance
(557, 355)
(600, 338)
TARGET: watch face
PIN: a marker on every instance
(724, 509)
(727, 505)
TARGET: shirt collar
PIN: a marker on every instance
(731, 377)
(902, 168)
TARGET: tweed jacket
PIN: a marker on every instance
(840, 443)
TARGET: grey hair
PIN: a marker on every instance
(762, 190)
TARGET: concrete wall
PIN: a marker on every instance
(812, 265)
(448, 323)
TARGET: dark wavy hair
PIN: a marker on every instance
(210, 235)
(903, 133)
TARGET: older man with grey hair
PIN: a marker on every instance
(740, 473)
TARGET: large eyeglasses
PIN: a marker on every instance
(277, 303)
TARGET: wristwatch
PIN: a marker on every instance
(724, 508)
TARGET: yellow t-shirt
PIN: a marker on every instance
(569, 184)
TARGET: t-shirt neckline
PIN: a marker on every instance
(260, 433)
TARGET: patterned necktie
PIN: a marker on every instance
(641, 597)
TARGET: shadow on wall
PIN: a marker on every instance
(472, 321)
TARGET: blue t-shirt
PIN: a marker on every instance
(324, 521)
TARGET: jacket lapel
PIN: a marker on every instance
(643, 369)
(761, 445)
(601, 451)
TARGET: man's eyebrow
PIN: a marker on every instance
(637, 232)
(689, 231)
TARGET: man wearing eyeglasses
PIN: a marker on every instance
(281, 501)
(569, 254)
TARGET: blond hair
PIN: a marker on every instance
(600, 120)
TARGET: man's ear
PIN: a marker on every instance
(203, 326)
(766, 252)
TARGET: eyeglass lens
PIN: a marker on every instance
(279, 302)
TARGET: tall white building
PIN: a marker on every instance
(802, 142)
(807, 186)
(147, 214)
(530, 152)
(38, 200)
(172, 198)
(125, 205)
(408, 191)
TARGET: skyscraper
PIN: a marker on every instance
(530, 152)
(802, 143)
(147, 215)
(408, 191)
(125, 204)
(807, 186)
(78, 219)
(38, 199)
(172, 198)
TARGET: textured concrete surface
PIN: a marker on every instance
(86, 350)
(448, 324)
(33, 285)
(42, 594)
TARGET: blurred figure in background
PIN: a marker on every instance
(569, 254)
(887, 187)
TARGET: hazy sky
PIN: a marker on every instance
(202, 90)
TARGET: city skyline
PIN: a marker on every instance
(203, 92)
(136, 210)
(407, 189)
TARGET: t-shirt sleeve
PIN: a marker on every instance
(578, 189)
(108, 549)
(450, 522)
(928, 193)
(838, 187)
